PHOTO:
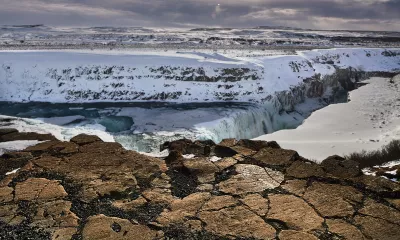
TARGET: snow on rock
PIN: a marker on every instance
(369, 121)
(79, 76)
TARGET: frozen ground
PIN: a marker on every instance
(370, 120)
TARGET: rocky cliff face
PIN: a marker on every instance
(78, 77)
(89, 189)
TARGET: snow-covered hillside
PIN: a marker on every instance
(71, 76)
(369, 121)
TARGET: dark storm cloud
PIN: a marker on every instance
(361, 14)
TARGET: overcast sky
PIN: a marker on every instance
(319, 14)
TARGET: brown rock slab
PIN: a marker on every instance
(6, 194)
(101, 227)
(101, 147)
(230, 142)
(18, 136)
(83, 139)
(379, 229)
(237, 222)
(295, 235)
(183, 208)
(296, 187)
(251, 179)
(300, 169)
(205, 188)
(219, 202)
(39, 189)
(377, 184)
(333, 200)
(225, 163)
(129, 205)
(203, 168)
(378, 210)
(42, 147)
(256, 203)
(55, 214)
(295, 212)
(63, 233)
(8, 214)
(243, 151)
(340, 167)
(158, 196)
(257, 145)
(394, 202)
(344, 229)
(276, 157)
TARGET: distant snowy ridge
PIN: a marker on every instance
(71, 76)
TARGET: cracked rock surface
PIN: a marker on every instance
(88, 189)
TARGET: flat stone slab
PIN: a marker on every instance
(251, 179)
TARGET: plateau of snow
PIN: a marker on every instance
(369, 121)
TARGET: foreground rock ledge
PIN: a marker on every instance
(88, 189)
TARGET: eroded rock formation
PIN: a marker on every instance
(89, 189)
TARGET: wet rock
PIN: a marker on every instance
(296, 187)
(256, 203)
(375, 228)
(340, 167)
(296, 235)
(344, 229)
(83, 139)
(237, 222)
(219, 202)
(4, 131)
(39, 189)
(275, 157)
(295, 212)
(18, 136)
(103, 227)
(332, 200)
(378, 210)
(300, 169)
(251, 179)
